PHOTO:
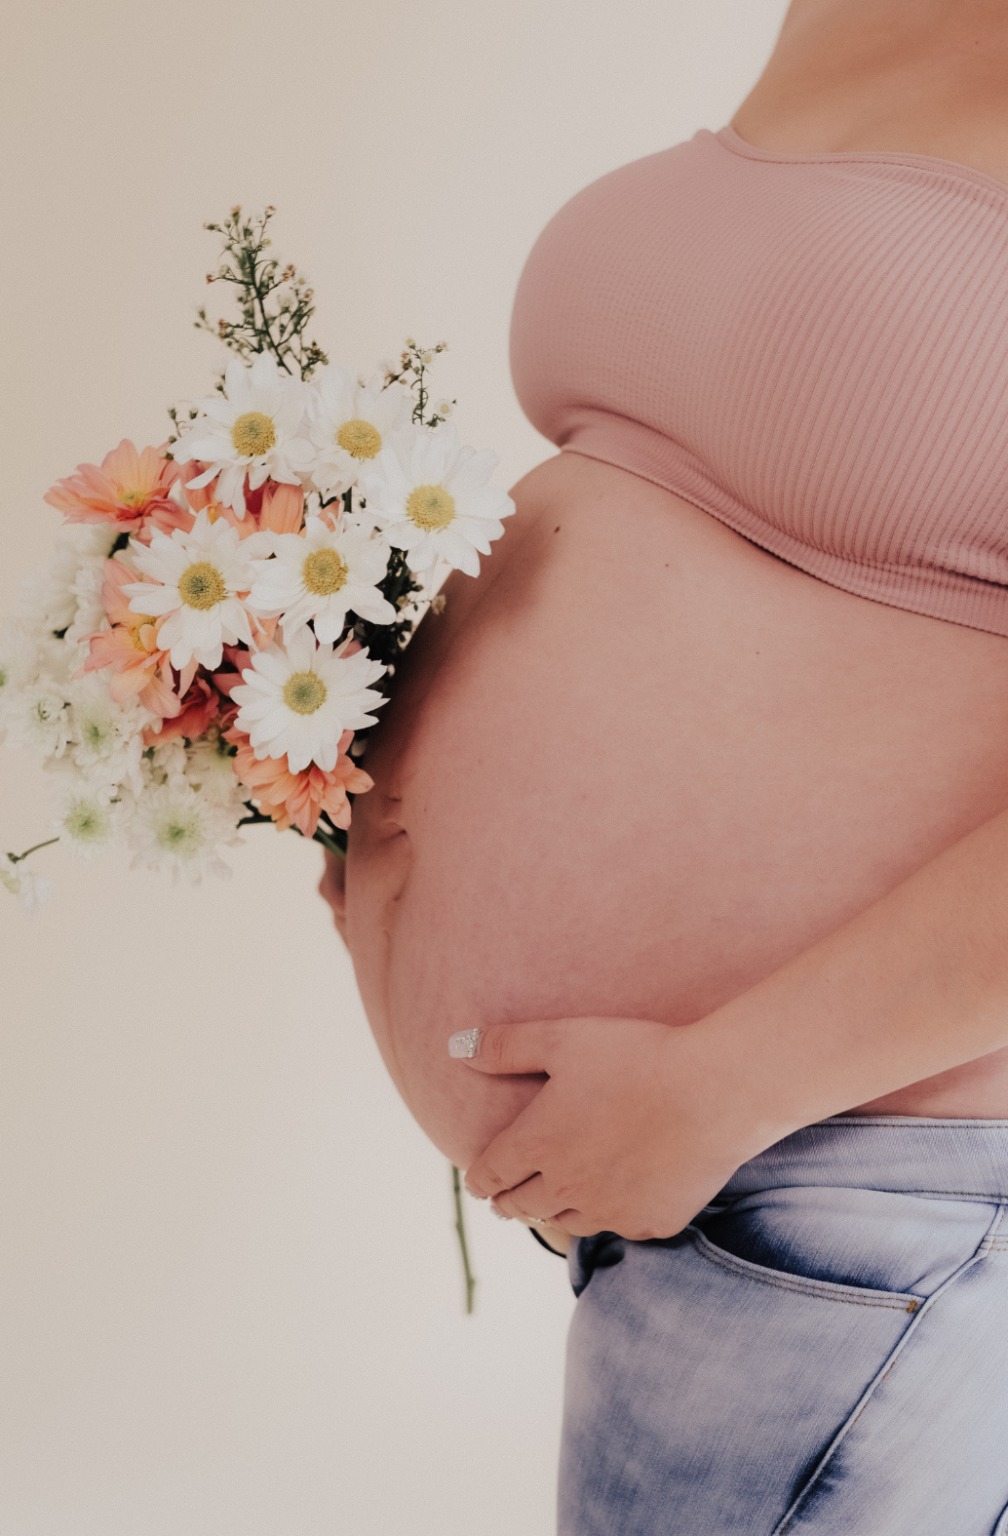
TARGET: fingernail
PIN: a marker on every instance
(499, 1214)
(465, 1044)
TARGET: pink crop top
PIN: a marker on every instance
(813, 348)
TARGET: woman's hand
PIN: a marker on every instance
(332, 888)
(634, 1132)
(639, 1125)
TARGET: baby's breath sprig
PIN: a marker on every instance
(276, 304)
(412, 371)
(177, 427)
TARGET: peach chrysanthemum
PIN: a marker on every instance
(300, 798)
(129, 489)
(131, 649)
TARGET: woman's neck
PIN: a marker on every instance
(916, 76)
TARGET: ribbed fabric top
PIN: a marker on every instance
(813, 348)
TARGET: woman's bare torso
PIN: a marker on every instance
(640, 763)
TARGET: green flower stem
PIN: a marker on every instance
(470, 1278)
(255, 818)
(16, 858)
(329, 843)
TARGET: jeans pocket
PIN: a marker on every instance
(865, 1240)
(804, 1285)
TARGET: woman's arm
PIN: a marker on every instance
(640, 1125)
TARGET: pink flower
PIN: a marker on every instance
(130, 490)
(300, 798)
(195, 712)
(131, 649)
(282, 508)
(274, 506)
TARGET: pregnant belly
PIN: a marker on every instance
(634, 768)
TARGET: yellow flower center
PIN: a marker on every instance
(202, 586)
(304, 692)
(253, 434)
(359, 438)
(324, 572)
(430, 507)
(136, 628)
(132, 498)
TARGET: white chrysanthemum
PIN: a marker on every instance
(175, 828)
(19, 659)
(252, 429)
(297, 701)
(431, 497)
(321, 575)
(61, 661)
(89, 616)
(350, 424)
(164, 764)
(107, 737)
(88, 818)
(200, 574)
(209, 769)
(47, 600)
(30, 889)
(36, 717)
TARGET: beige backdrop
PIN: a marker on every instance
(229, 1296)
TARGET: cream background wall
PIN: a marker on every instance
(229, 1295)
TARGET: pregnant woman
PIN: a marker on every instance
(692, 812)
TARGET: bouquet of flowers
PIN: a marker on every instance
(223, 613)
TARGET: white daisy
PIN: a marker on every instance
(107, 737)
(36, 717)
(200, 574)
(298, 700)
(349, 424)
(431, 498)
(320, 575)
(88, 818)
(175, 828)
(30, 889)
(253, 429)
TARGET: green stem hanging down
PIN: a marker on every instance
(470, 1278)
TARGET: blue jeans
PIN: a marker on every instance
(823, 1351)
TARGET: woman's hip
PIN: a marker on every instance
(823, 1350)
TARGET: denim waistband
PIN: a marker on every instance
(905, 1154)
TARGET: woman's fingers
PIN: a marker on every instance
(570, 1221)
(517, 1049)
(529, 1202)
(512, 1158)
